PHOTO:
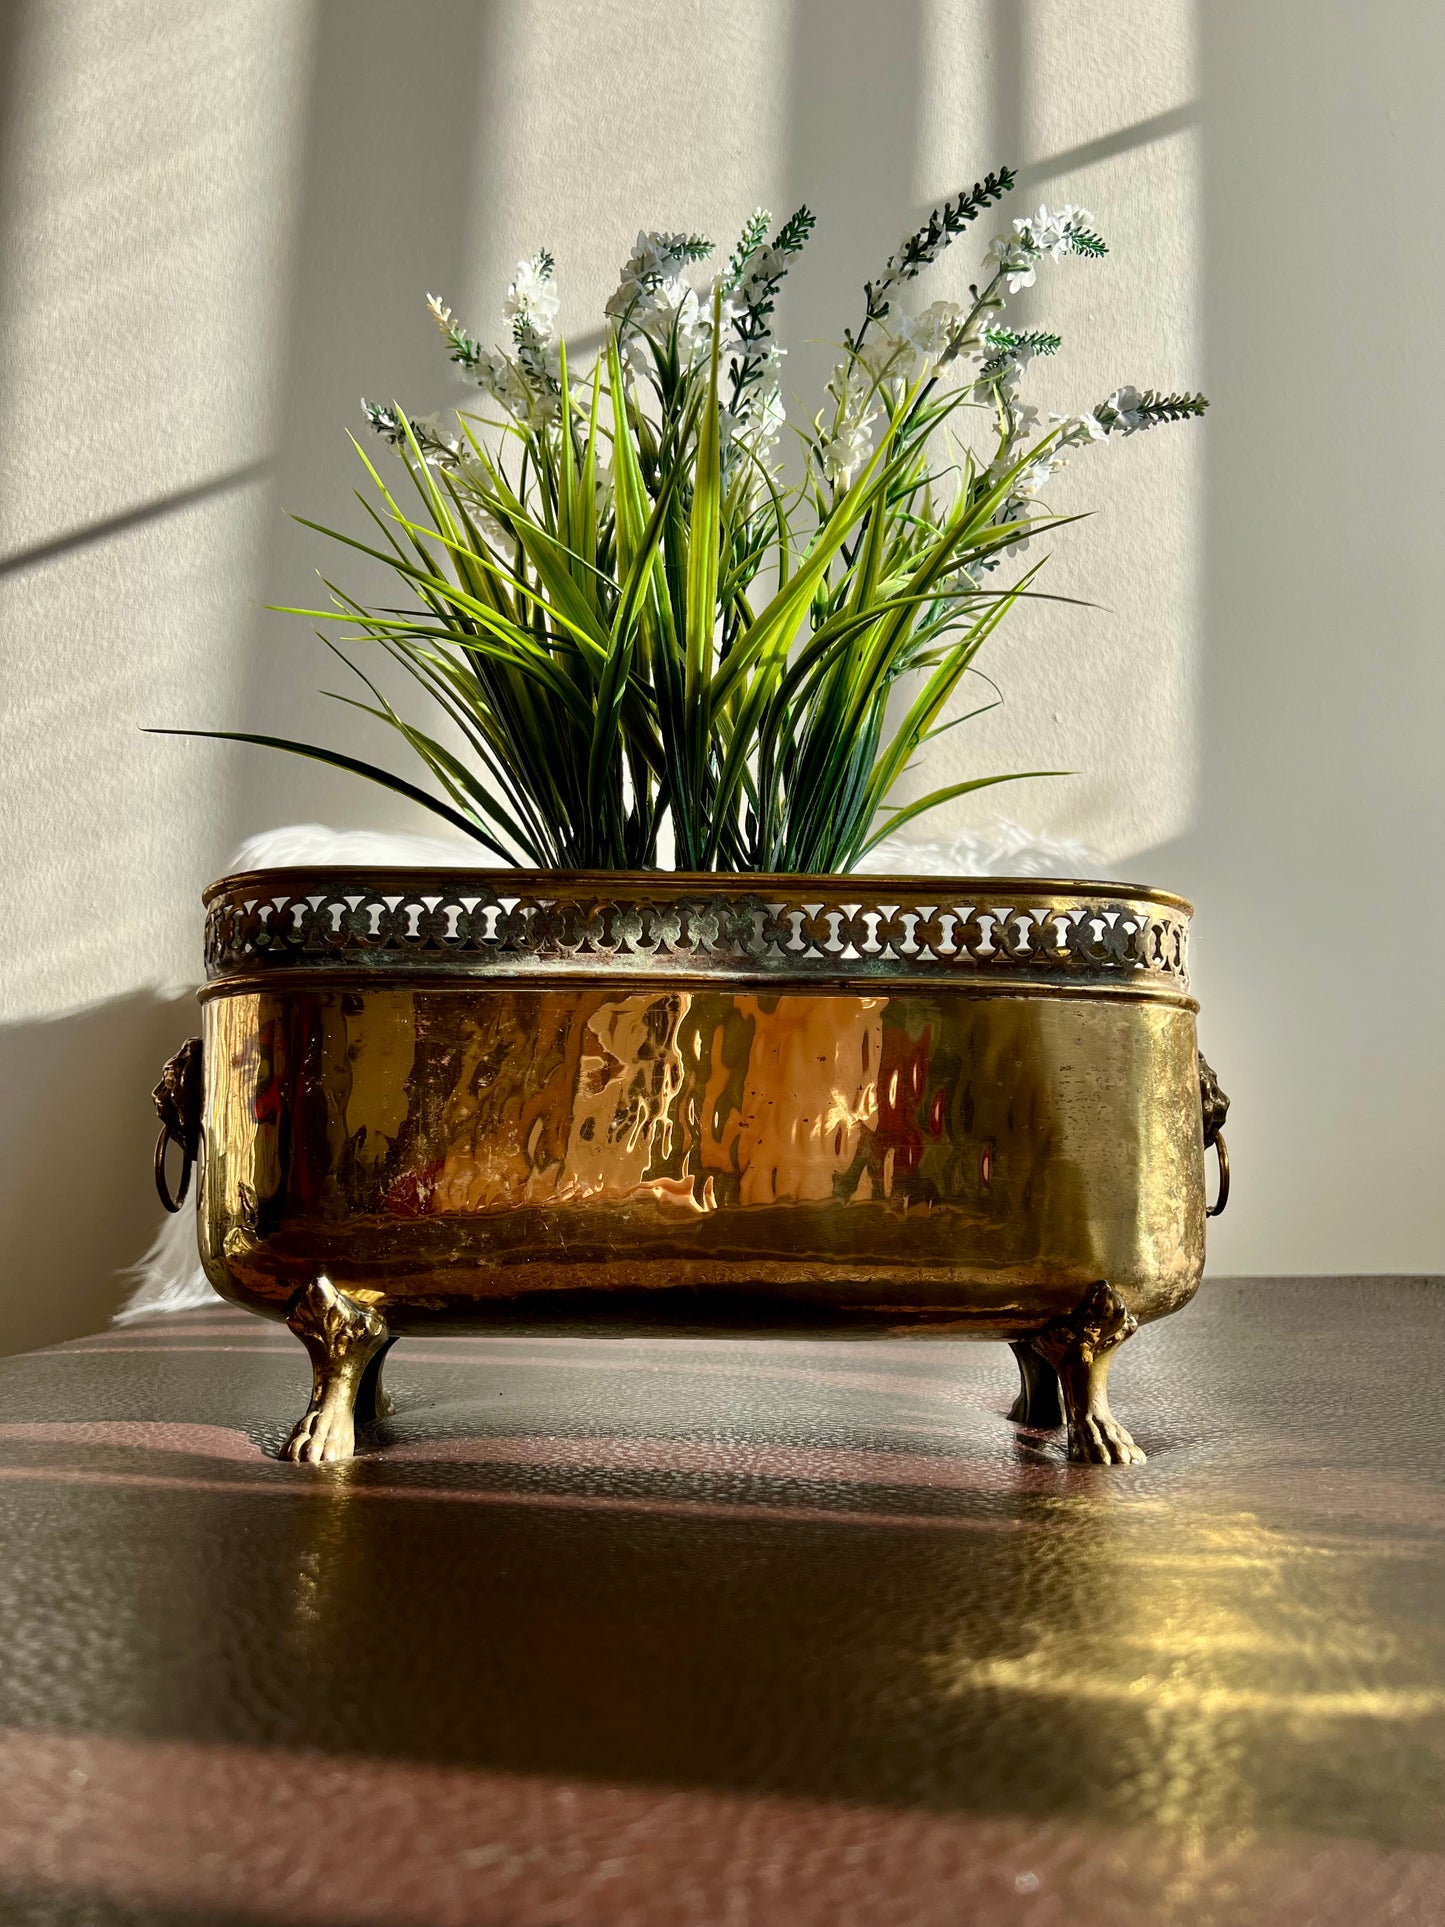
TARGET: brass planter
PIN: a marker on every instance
(660, 1103)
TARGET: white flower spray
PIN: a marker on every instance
(897, 362)
(641, 631)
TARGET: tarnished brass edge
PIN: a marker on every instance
(620, 884)
(450, 976)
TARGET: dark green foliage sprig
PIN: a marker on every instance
(921, 248)
(1011, 347)
(1033, 341)
(462, 348)
(1152, 408)
(753, 326)
(793, 234)
(386, 421)
(392, 427)
(1172, 408)
(530, 345)
(755, 232)
(1084, 241)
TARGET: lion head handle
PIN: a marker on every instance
(1212, 1101)
(177, 1099)
(1215, 1107)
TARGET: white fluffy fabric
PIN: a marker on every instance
(169, 1277)
(1004, 849)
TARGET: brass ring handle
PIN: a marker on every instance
(163, 1144)
(1216, 1210)
(178, 1101)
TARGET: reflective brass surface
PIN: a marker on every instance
(864, 1106)
(692, 1159)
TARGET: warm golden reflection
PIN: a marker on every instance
(927, 1159)
(1198, 1638)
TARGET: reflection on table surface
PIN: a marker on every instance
(702, 1632)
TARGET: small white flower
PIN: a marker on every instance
(1033, 229)
(652, 282)
(658, 256)
(1015, 509)
(883, 357)
(748, 434)
(733, 306)
(1079, 428)
(1039, 472)
(764, 354)
(694, 327)
(771, 414)
(532, 297)
(654, 305)
(757, 421)
(1015, 259)
(932, 333)
(843, 453)
(1124, 408)
(1006, 379)
(499, 375)
(1048, 233)
(767, 265)
(1070, 219)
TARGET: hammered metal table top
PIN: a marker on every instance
(672, 1634)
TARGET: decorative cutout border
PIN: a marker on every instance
(753, 929)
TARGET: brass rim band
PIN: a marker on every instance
(527, 925)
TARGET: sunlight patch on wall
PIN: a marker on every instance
(584, 155)
(1077, 99)
(146, 188)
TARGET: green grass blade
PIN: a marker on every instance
(373, 774)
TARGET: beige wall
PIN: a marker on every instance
(218, 222)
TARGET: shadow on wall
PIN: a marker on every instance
(398, 98)
(76, 1138)
(391, 100)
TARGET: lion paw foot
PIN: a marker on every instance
(1099, 1439)
(323, 1436)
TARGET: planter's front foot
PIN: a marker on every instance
(1080, 1348)
(1038, 1404)
(344, 1340)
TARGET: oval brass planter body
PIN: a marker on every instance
(871, 1106)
